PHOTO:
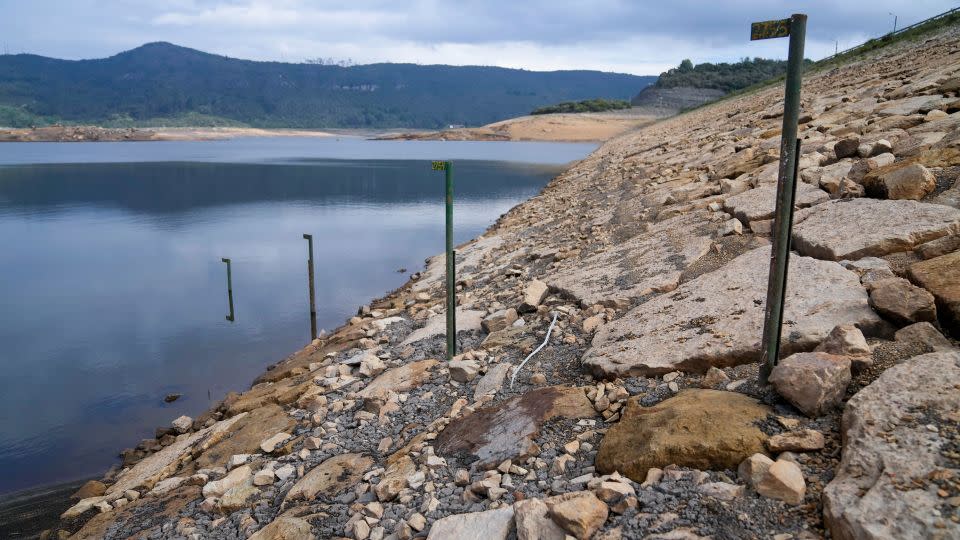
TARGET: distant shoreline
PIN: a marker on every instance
(102, 134)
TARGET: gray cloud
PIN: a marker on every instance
(616, 35)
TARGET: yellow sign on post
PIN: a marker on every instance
(770, 29)
(439, 165)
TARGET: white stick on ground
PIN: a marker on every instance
(535, 351)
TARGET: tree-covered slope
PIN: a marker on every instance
(166, 83)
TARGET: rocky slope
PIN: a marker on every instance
(642, 416)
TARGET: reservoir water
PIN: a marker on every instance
(113, 295)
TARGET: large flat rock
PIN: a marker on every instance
(649, 262)
(761, 202)
(703, 429)
(857, 228)
(330, 478)
(506, 430)
(717, 318)
(399, 379)
(898, 435)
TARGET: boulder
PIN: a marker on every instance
(285, 528)
(783, 481)
(330, 478)
(650, 262)
(911, 182)
(925, 334)
(717, 319)
(856, 228)
(941, 276)
(534, 523)
(237, 477)
(371, 366)
(902, 302)
(489, 525)
(898, 434)
(702, 429)
(580, 513)
(506, 430)
(182, 424)
(813, 382)
(760, 203)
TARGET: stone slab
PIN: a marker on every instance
(760, 203)
(717, 318)
(856, 228)
(467, 320)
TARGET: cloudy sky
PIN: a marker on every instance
(637, 37)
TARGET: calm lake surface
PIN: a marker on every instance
(113, 295)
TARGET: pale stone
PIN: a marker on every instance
(924, 333)
(902, 302)
(182, 424)
(760, 203)
(783, 481)
(467, 320)
(885, 444)
(463, 370)
(911, 182)
(941, 276)
(285, 528)
(394, 479)
(168, 484)
(731, 226)
(533, 294)
(264, 477)
(488, 525)
(855, 228)
(499, 320)
(714, 378)
(492, 381)
(592, 323)
(721, 490)
(717, 318)
(534, 523)
(371, 366)
(580, 513)
(806, 440)
(845, 340)
(813, 382)
(752, 469)
(649, 262)
(236, 477)
(271, 443)
(399, 379)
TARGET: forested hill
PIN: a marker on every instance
(161, 83)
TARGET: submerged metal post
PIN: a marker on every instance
(786, 186)
(230, 317)
(313, 298)
(447, 167)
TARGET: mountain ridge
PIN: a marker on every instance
(160, 81)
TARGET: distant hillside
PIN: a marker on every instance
(687, 85)
(587, 105)
(164, 84)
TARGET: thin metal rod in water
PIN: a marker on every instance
(230, 317)
(313, 294)
(786, 188)
(451, 267)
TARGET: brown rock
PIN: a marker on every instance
(846, 147)
(902, 302)
(845, 340)
(813, 382)
(394, 479)
(247, 434)
(580, 513)
(330, 477)
(713, 378)
(92, 488)
(941, 276)
(499, 320)
(702, 429)
(783, 481)
(285, 528)
(806, 440)
(533, 294)
(926, 334)
(399, 379)
(506, 430)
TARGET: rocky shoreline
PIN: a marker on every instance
(642, 417)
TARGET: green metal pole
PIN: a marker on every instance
(313, 297)
(230, 317)
(451, 268)
(786, 188)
